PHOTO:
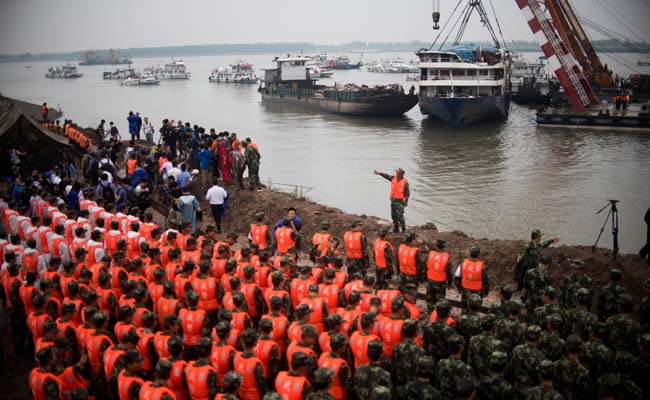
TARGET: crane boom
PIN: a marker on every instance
(571, 77)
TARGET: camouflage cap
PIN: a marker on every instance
(536, 233)
(616, 273)
(441, 243)
(533, 332)
(323, 376)
(465, 386)
(474, 251)
(583, 293)
(573, 343)
(546, 260)
(647, 283)
(356, 222)
(410, 236)
(399, 171)
(384, 230)
(272, 396)
(410, 288)
(516, 305)
(426, 364)
(397, 304)
(259, 214)
(303, 309)
(578, 263)
(498, 359)
(231, 380)
(546, 367)
(367, 318)
(506, 290)
(308, 330)
(337, 340)
(474, 300)
(325, 225)
(334, 319)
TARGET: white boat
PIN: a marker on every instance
(172, 70)
(235, 73)
(131, 81)
(412, 78)
(120, 74)
(395, 66)
(63, 72)
(149, 80)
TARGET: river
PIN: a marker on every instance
(496, 180)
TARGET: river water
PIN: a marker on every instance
(496, 180)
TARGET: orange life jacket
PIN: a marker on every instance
(329, 293)
(352, 241)
(321, 241)
(283, 239)
(37, 380)
(437, 266)
(220, 359)
(299, 290)
(110, 358)
(175, 381)
(246, 368)
(197, 380)
(407, 262)
(471, 274)
(258, 235)
(334, 364)
(359, 346)
(165, 306)
(263, 350)
(207, 290)
(124, 383)
(397, 188)
(94, 348)
(378, 250)
(192, 323)
(290, 387)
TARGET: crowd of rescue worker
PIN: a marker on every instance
(113, 306)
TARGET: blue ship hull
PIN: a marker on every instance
(462, 111)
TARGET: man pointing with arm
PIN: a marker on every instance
(399, 197)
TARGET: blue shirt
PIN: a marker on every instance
(133, 123)
(72, 201)
(182, 179)
(296, 222)
(205, 157)
(139, 175)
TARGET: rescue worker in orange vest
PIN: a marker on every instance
(114, 361)
(96, 344)
(399, 197)
(231, 384)
(383, 252)
(320, 242)
(439, 274)
(471, 276)
(268, 351)
(201, 377)
(356, 249)
(260, 233)
(42, 381)
(44, 112)
(246, 364)
(129, 381)
(318, 306)
(293, 385)
(286, 237)
(177, 382)
(410, 293)
(410, 260)
(157, 389)
(359, 340)
(195, 324)
(322, 383)
(335, 361)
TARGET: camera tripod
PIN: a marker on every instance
(613, 212)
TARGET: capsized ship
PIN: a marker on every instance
(291, 83)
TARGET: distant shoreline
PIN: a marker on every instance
(602, 46)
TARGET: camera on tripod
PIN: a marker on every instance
(613, 212)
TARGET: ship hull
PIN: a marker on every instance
(459, 112)
(382, 106)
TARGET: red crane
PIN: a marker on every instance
(563, 40)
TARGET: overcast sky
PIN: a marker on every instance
(67, 25)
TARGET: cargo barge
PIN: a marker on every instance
(291, 83)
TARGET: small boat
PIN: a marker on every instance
(172, 70)
(131, 81)
(325, 73)
(149, 80)
(119, 74)
(643, 63)
(343, 62)
(63, 72)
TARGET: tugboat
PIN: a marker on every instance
(63, 72)
(465, 84)
(290, 82)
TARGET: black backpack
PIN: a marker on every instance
(107, 193)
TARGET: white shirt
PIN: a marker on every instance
(216, 195)
(147, 127)
(173, 172)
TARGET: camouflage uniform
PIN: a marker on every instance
(397, 206)
(542, 392)
(540, 314)
(530, 259)
(624, 387)
(535, 281)
(624, 333)
(320, 395)
(479, 351)
(552, 345)
(252, 157)
(418, 390)
(523, 365)
(510, 332)
(572, 379)
(644, 314)
(578, 321)
(568, 292)
(596, 357)
(448, 371)
(494, 387)
(607, 300)
(435, 339)
(501, 309)
(469, 325)
(404, 362)
(368, 376)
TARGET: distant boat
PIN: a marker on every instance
(241, 72)
(343, 62)
(643, 63)
(90, 58)
(120, 74)
(172, 70)
(63, 72)
(146, 80)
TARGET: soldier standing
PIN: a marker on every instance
(410, 260)
(420, 388)
(252, 159)
(438, 274)
(399, 197)
(356, 249)
(451, 369)
(571, 377)
(525, 359)
(405, 357)
(494, 386)
(531, 256)
(535, 281)
(383, 252)
(371, 375)
(471, 276)
(321, 384)
(545, 390)
(482, 347)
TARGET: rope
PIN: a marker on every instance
(446, 23)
